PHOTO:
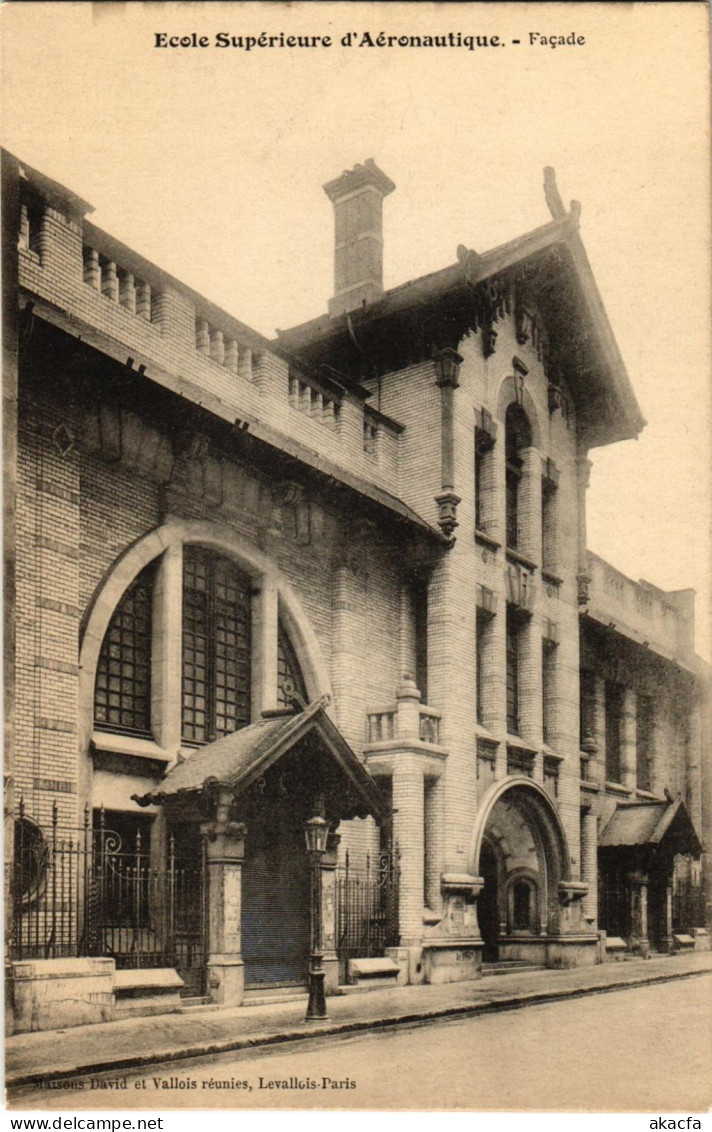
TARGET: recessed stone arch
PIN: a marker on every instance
(535, 837)
(506, 396)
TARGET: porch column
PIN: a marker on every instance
(330, 960)
(639, 912)
(408, 829)
(225, 843)
(668, 917)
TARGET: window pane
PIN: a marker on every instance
(123, 677)
(216, 646)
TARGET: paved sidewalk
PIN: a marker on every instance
(31, 1058)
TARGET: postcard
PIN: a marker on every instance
(357, 427)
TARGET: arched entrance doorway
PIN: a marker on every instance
(519, 848)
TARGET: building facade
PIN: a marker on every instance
(340, 575)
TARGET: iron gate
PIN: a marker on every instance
(84, 892)
(367, 908)
(613, 904)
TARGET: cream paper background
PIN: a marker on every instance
(210, 162)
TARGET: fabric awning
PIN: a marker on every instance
(240, 759)
(650, 824)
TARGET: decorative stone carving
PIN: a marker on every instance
(489, 341)
(584, 588)
(63, 439)
(447, 503)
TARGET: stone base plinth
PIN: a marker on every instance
(702, 939)
(452, 960)
(147, 990)
(558, 951)
(226, 981)
(330, 965)
(54, 994)
(399, 955)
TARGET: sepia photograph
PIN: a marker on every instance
(357, 534)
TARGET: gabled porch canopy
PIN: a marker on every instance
(242, 759)
(649, 825)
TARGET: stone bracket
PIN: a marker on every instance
(572, 890)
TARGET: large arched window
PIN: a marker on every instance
(122, 692)
(518, 435)
(186, 639)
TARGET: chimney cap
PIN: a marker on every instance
(361, 176)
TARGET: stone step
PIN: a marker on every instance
(274, 996)
(144, 991)
(196, 1004)
(510, 967)
(373, 972)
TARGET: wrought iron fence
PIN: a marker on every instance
(688, 906)
(367, 907)
(613, 904)
(85, 892)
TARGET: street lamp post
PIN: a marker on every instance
(316, 831)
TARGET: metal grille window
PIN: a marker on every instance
(216, 646)
(614, 722)
(480, 642)
(288, 670)
(122, 700)
(517, 436)
(512, 674)
(644, 741)
(548, 676)
(479, 461)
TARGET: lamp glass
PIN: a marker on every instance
(316, 831)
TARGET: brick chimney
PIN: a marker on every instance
(357, 196)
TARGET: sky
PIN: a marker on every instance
(210, 162)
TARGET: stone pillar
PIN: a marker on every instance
(408, 710)
(494, 493)
(494, 686)
(406, 638)
(225, 844)
(408, 830)
(628, 740)
(639, 913)
(244, 362)
(231, 355)
(143, 300)
(127, 292)
(217, 347)
(349, 649)
(265, 616)
(669, 943)
(530, 688)
(330, 961)
(583, 469)
(92, 270)
(530, 505)
(202, 336)
(589, 861)
(597, 766)
(434, 800)
(166, 666)
(110, 281)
